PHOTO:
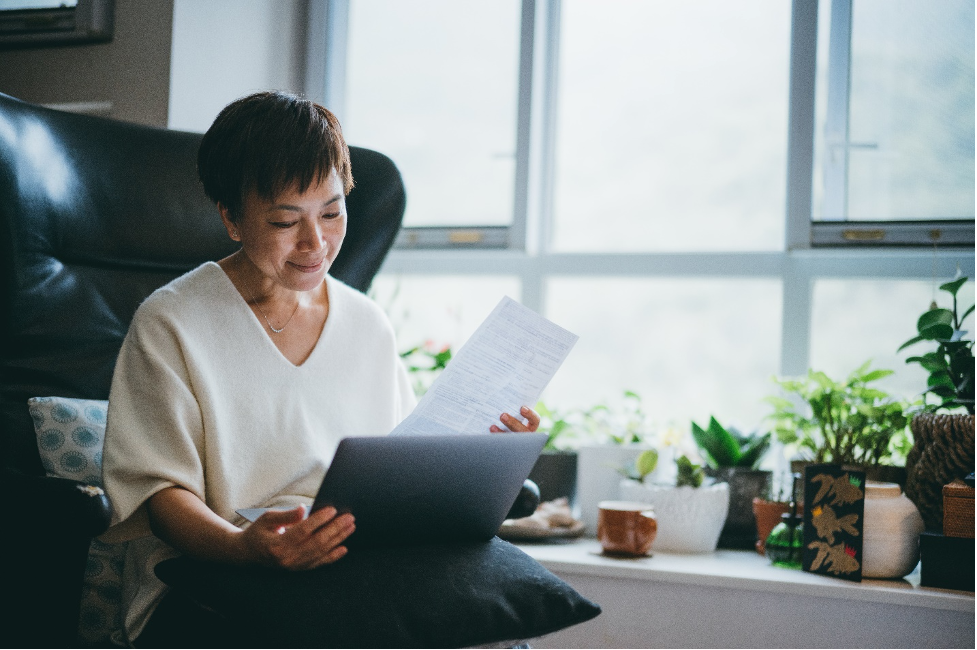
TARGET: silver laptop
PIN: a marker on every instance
(406, 490)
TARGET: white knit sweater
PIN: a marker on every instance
(203, 399)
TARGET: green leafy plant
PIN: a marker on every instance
(424, 363)
(621, 425)
(688, 473)
(643, 466)
(600, 424)
(723, 447)
(951, 365)
(557, 428)
(845, 422)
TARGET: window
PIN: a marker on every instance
(852, 318)
(672, 341)
(895, 148)
(449, 121)
(662, 139)
(459, 307)
(653, 176)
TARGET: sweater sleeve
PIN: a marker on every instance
(154, 431)
(405, 391)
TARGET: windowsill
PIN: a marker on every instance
(737, 599)
(744, 570)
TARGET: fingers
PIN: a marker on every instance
(323, 527)
(321, 517)
(280, 518)
(516, 425)
(288, 540)
(334, 533)
(323, 546)
(334, 555)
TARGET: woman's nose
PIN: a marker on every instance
(311, 237)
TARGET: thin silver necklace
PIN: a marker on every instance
(270, 326)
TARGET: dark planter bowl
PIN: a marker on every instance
(555, 473)
(886, 474)
(745, 484)
(881, 473)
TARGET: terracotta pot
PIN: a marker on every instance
(943, 449)
(767, 514)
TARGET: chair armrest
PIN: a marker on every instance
(48, 526)
(70, 506)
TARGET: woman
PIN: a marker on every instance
(237, 380)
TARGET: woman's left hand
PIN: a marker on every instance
(528, 423)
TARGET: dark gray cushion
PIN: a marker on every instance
(428, 596)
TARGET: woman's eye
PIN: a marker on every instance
(331, 215)
(282, 224)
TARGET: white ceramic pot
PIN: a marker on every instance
(689, 519)
(890, 543)
(598, 478)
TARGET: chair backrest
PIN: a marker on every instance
(95, 215)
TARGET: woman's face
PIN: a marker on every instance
(294, 239)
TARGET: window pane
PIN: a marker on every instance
(672, 130)
(433, 85)
(912, 97)
(911, 113)
(853, 321)
(439, 310)
(689, 348)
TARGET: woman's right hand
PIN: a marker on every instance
(284, 539)
(290, 540)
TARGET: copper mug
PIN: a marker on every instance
(626, 527)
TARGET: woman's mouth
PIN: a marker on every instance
(308, 268)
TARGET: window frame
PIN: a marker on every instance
(833, 228)
(325, 81)
(812, 250)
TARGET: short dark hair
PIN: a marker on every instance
(266, 142)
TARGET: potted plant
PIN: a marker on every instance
(733, 458)
(844, 422)
(943, 430)
(424, 363)
(610, 437)
(690, 513)
(555, 471)
(768, 509)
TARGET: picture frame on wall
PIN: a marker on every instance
(41, 23)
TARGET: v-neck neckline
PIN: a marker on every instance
(256, 322)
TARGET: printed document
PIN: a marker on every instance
(506, 364)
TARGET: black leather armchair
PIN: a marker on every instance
(94, 216)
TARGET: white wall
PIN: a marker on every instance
(125, 79)
(224, 49)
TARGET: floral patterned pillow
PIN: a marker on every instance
(70, 433)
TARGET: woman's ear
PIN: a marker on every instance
(232, 230)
